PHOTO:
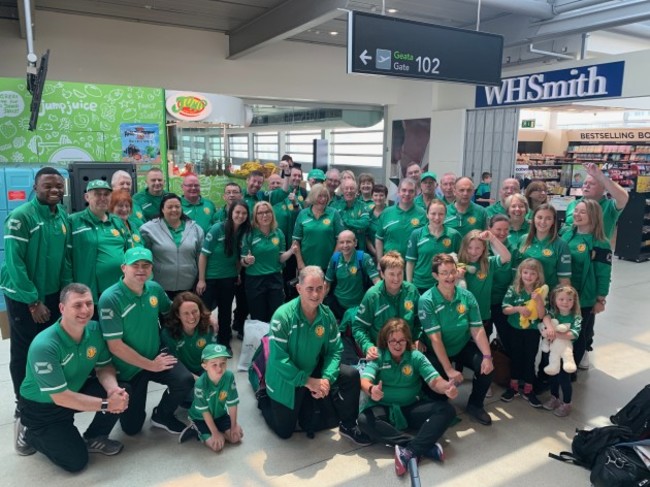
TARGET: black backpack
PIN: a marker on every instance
(620, 466)
(636, 414)
(587, 444)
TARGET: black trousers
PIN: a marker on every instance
(219, 293)
(430, 418)
(51, 429)
(524, 345)
(241, 311)
(23, 330)
(289, 273)
(266, 293)
(179, 382)
(470, 356)
(586, 337)
(337, 309)
(500, 322)
(340, 406)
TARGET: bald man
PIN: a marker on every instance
(509, 187)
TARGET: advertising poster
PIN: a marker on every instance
(140, 142)
(410, 143)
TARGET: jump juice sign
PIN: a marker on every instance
(582, 83)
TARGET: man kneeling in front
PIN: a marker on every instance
(58, 384)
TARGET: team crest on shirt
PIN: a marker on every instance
(353, 270)
(407, 370)
(408, 305)
(206, 211)
(471, 220)
(415, 221)
(460, 308)
(153, 301)
(200, 343)
(446, 242)
(301, 199)
(320, 331)
(547, 252)
(326, 221)
(581, 247)
(481, 275)
(64, 229)
(138, 214)
(115, 232)
(136, 238)
(91, 352)
(223, 395)
(42, 368)
(275, 240)
(105, 314)
(14, 224)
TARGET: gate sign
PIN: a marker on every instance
(395, 47)
(583, 83)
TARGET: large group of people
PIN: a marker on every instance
(392, 300)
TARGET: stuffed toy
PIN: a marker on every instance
(560, 348)
(532, 307)
(467, 267)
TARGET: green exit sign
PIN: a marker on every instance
(528, 124)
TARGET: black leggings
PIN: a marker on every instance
(561, 381)
(586, 337)
(524, 345)
(219, 293)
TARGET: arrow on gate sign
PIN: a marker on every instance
(364, 57)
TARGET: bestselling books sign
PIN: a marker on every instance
(78, 122)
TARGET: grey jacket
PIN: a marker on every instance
(174, 268)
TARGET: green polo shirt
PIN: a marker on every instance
(373, 226)
(56, 363)
(221, 215)
(134, 319)
(133, 236)
(213, 398)
(574, 322)
(219, 265)
(512, 298)
(610, 215)
(296, 347)
(419, 201)
(355, 218)
(423, 247)
(188, 348)
(176, 233)
(317, 236)
(514, 236)
(395, 225)
(591, 266)
(349, 290)
(266, 249)
(286, 212)
(480, 285)
(503, 277)
(97, 250)
(475, 218)
(202, 212)
(452, 319)
(149, 204)
(273, 197)
(554, 257)
(495, 209)
(401, 382)
(377, 306)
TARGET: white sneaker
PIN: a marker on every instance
(584, 363)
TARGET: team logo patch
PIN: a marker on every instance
(208, 237)
(115, 232)
(408, 305)
(275, 240)
(320, 331)
(460, 308)
(471, 220)
(326, 221)
(138, 214)
(136, 238)
(91, 352)
(105, 314)
(353, 270)
(301, 199)
(64, 229)
(206, 211)
(200, 343)
(223, 395)
(581, 247)
(16, 224)
(481, 275)
(42, 368)
(153, 301)
(407, 370)
(446, 242)
(547, 252)
(415, 221)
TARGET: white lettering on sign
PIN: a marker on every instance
(533, 88)
(68, 107)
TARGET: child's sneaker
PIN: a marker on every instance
(402, 458)
(552, 404)
(355, 434)
(509, 394)
(563, 410)
(533, 400)
(435, 453)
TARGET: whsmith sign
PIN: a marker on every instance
(583, 83)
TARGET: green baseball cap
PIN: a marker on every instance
(429, 174)
(316, 174)
(98, 184)
(214, 351)
(131, 256)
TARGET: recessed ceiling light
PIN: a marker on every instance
(392, 10)
(334, 33)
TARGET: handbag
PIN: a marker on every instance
(620, 466)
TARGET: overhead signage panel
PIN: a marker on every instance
(581, 83)
(395, 47)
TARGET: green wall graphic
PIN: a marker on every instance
(77, 121)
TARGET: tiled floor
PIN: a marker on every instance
(513, 451)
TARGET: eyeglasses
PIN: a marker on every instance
(448, 273)
(264, 213)
(232, 193)
(395, 343)
(192, 185)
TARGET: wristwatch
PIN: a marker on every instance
(104, 407)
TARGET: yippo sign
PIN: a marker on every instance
(188, 106)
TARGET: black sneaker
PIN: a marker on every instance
(479, 414)
(103, 445)
(533, 400)
(20, 443)
(190, 432)
(435, 453)
(171, 424)
(509, 394)
(355, 434)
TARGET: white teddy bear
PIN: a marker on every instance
(559, 349)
